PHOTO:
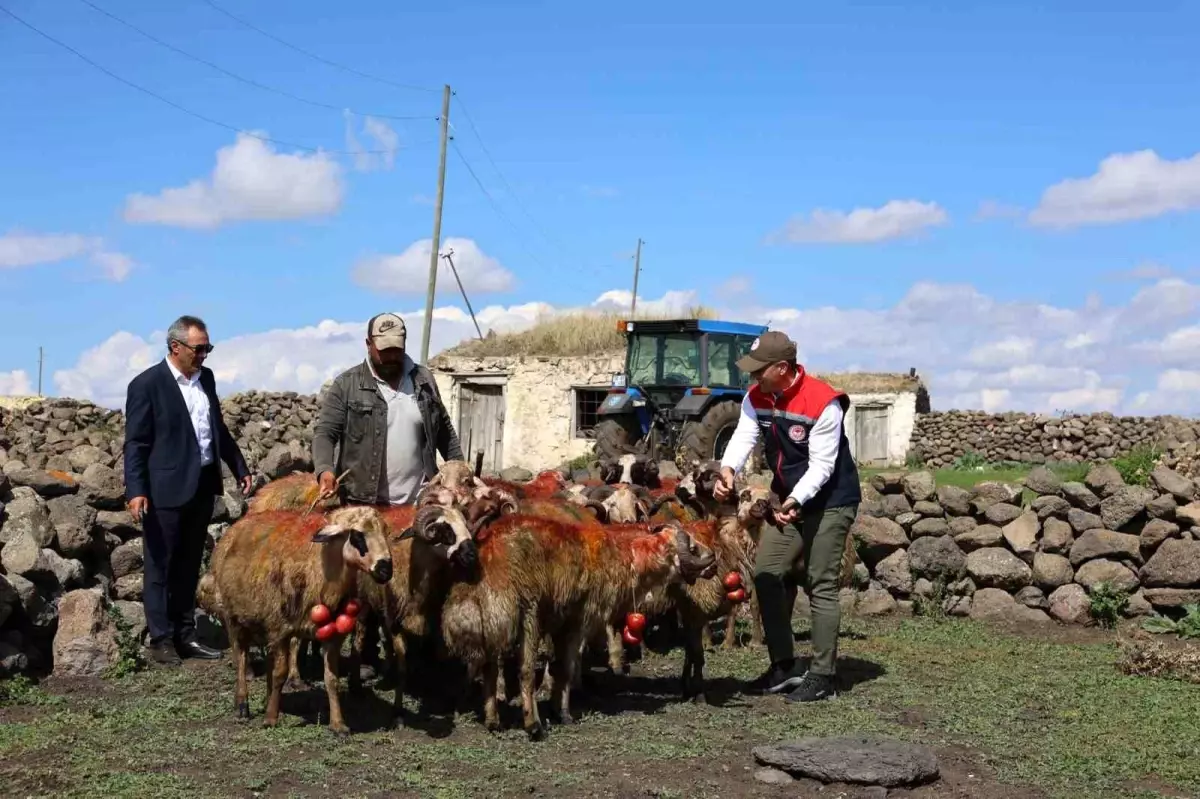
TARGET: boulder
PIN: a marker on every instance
(1021, 534)
(1032, 597)
(996, 567)
(1041, 480)
(85, 643)
(919, 486)
(1124, 506)
(1081, 521)
(959, 525)
(955, 500)
(1175, 564)
(102, 487)
(1051, 571)
(1155, 532)
(990, 492)
(893, 573)
(127, 558)
(27, 515)
(1070, 604)
(896, 504)
(930, 526)
(985, 535)
(1050, 506)
(1080, 496)
(928, 508)
(1188, 515)
(1001, 513)
(858, 760)
(877, 537)
(936, 556)
(1105, 544)
(1094, 572)
(46, 483)
(875, 601)
(1162, 507)
(1057, 536)
(73, 521)
(1104, 480)
(1169, 481)
(888, 482)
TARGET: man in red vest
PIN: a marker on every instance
(816, 481)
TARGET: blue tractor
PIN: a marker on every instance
(680, 395)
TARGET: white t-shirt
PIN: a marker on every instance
(403, 472)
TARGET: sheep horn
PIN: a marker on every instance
(600, 492)
(643, 510)
(601, 511)
(429, 514)
(657, 504)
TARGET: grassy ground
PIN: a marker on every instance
(1009, 715)
(970, 477)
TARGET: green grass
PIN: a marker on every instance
(1056, 715)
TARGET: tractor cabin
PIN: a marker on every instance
(534, 399)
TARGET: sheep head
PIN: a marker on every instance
(487, 505)
(696, 488)
(632, 468)
(456, 475)
(362, 533)
(446, 530)
(693, 560)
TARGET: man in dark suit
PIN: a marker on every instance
(175, 440)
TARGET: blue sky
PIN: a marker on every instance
(702, 134)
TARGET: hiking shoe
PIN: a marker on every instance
(776, 679)
(813, 688)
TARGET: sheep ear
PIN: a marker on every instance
(328, 533)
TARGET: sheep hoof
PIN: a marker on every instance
(243, 711)
(341, 730)
(700, 699)
(399, 719)
(537, 732)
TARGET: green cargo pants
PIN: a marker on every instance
(807, 553)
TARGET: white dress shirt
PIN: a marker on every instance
(198, 408)
(823, 441)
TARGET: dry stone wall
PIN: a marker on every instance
(1035, 554)
(940, 438)
(69, 551)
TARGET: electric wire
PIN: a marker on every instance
(176, 105)
(237, 77)
(314, 56)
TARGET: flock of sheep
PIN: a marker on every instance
(488, 569)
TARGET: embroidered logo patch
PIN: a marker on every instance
(797, 433)
(754, 345)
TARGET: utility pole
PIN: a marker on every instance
(437, 224)
(637, 267)
(457, 279)
(41, 360)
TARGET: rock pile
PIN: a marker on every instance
(1031, 554)
(69, 551)
(939, 438)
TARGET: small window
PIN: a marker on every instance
(587, 402)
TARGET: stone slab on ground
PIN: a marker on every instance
(860, 760)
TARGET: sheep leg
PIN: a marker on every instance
(501, 691)
(565, 664)
(730, 629)
(240, 644)
(277, 669)
(493, 672)
(693, 661)
(355, 659)
(294, 680)
(397, 668)
(332, 649)
(616, 650)
(530, 639)
(756, 631)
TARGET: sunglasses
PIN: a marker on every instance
(199, 349)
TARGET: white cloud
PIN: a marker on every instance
(735, 286)
(19, 250)
(1147, 270)
(993, 209)
(382, 153)
(408, 272)
(1127, 186)
(972, 350)
(15, 384)
(897, 219)
(249, 182)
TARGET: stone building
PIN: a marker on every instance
(529, 399)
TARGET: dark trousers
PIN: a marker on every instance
(173, 549)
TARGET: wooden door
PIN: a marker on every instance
(871, 434)
(481, 423)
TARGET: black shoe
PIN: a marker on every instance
(162, 653)
(813, 688)
(776, 679)
(195, 649)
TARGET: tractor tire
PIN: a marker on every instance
(706, 439)
(615, 436)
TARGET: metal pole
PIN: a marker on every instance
(458, 280)
(437, 225)
(637, 267)
(41, 361)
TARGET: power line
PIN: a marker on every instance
(176, 105)
(237, 77)
(314, 56)
(504, 180)
(494, 204)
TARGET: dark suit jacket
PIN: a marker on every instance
(162, 458)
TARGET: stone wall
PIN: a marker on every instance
(68, 548)
(539, 401)
(1033, 555)
(940, 438)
